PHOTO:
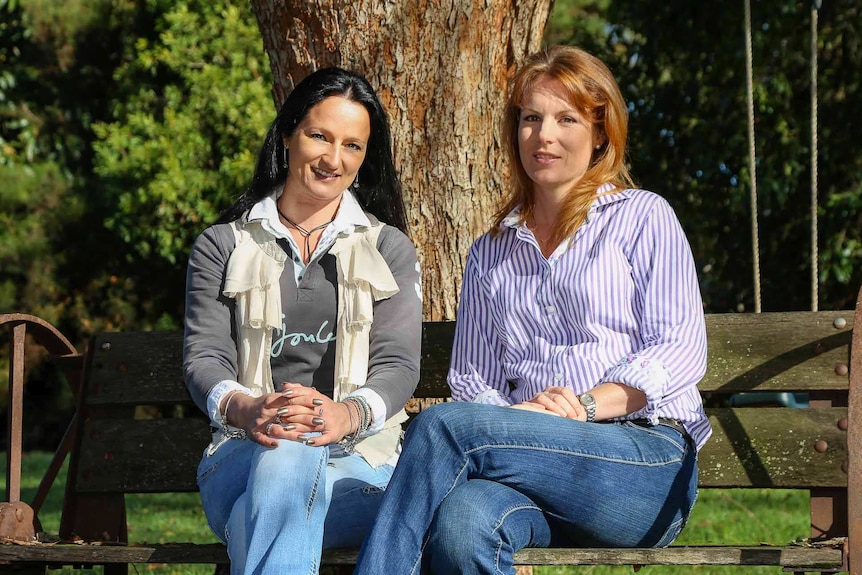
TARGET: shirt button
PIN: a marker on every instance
(551, 309)
(558, 376)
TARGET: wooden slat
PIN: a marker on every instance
(750, 447)
(185, 553)
(780, 352)
(784, 352)
(763, 555)
(774, 447)
(436, 348)
(148, 363)
(84, 554)
(141, 455)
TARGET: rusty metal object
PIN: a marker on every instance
(854, 448)
(17, 521)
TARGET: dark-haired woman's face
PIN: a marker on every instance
(326, 150)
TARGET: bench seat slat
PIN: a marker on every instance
(160, 455)
(190, 553)
(779, 352)
(777, 446)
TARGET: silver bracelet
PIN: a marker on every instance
(363, 411)
(236, 432)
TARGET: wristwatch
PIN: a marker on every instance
(589, 403)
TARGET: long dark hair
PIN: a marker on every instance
(379, 191)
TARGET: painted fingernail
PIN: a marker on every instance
(309, 442)
(287, 393)
(317, 402)
(288, 426)
(317, 421)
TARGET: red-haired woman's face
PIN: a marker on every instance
(555, 141)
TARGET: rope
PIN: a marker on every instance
(815, 6)
(755, 243)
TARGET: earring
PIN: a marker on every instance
(598, 146)
(355, 184)
(284, 160)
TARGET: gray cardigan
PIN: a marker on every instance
(209, 349)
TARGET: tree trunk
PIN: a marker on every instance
(440, 68)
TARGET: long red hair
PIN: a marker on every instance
(592, 90)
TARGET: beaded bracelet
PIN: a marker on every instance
(363, 412)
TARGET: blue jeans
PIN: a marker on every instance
(276, 508)
(476, 483)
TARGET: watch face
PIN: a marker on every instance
(589, 403)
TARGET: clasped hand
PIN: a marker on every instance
(554, 400)
(293, 413)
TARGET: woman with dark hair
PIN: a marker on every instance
(302, 333)
(578, 347)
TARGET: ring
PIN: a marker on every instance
(278, 419)
(269, 427)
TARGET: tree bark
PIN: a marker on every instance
(440, 68)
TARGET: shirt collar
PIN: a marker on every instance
(349, 216)
(605, 194)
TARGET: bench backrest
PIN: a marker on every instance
(142, 434)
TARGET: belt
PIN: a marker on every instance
(667, 422)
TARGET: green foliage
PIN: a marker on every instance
(183, 145)
(35, 204)
(681, 66)
(125, 127)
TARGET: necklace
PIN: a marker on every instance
(304, 233)
(544, 238)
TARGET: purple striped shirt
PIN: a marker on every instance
(617, 302)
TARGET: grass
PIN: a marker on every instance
(152, 518)
(734, 516)
(726, 516)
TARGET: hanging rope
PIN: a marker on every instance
(815, 7)
(755, 242)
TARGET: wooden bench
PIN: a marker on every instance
(114, 449)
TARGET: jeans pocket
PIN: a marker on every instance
(206, 471)
(232, 451)
(672, 532)
(675, 528)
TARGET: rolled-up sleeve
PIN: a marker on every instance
(671, 356)
(475, 372)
